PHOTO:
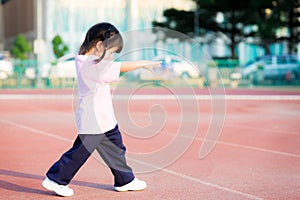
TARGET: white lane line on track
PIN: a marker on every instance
(34, 96)
(208, 97)
(295, 133)
(245, 147)
(35, 130)
(253, 148)
(158, 97)
(197, 138)
(190, 178)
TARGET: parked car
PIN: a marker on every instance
(273, 67)
(64, 68)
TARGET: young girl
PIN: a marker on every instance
(96, 123)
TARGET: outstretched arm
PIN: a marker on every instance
(132, 65)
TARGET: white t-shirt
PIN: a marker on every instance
(95, 113)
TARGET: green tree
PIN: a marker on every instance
(266, 19)
(275, 16)
(21, 47)
(232, 18)
(4, 1)
(181, 21)
(59, 47)
(289, 15)
(236, 19)
(232, 23)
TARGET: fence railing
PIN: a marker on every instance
(27, 74)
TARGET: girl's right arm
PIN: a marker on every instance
(132, 65)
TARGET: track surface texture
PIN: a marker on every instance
(233, 144)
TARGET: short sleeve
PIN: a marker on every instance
(110, 72)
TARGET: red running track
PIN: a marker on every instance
(256, 155)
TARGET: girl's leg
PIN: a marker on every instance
(112, 150)
(70, 162)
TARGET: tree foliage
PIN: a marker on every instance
(181, 21)
(21, 47)
(251, 21)
(59, 47)
(266, 22)
(289, 13)
(4, 1)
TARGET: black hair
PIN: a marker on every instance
(105, 32)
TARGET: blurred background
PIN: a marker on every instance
(246, 43)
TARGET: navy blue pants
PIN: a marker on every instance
(108, 145)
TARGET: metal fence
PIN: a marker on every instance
(219, 73)
(26, 74)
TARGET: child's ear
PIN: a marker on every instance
(100, 46)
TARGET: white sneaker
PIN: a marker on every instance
(134, 185)
(61, 190)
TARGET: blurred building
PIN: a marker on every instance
(16, 17)
(41, 20)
